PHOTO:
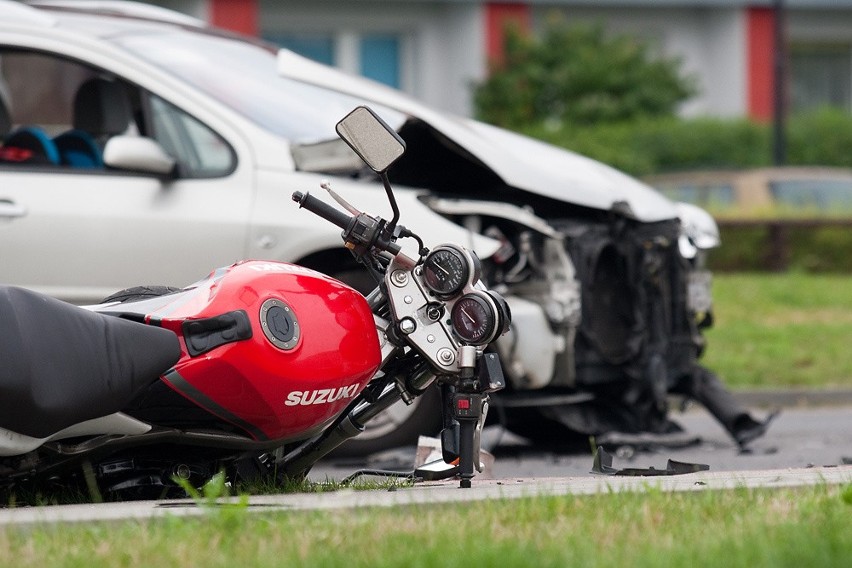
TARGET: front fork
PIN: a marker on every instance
(465, 407)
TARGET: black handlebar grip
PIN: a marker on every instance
(321, 208)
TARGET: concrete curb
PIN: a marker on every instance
(440, 492)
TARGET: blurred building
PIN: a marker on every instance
(436, 49)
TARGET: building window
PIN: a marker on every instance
(821, 75)
(317, 47)
(375, 56)
(379, 57)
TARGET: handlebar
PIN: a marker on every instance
(361, 234)
(324, 210)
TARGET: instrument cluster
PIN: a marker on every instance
(477, 316)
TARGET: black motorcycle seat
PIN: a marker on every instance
(61, 364)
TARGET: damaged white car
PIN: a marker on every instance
(142, 147)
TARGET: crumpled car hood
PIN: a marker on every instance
(521, 162)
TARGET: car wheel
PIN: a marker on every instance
(399, 425)
(357, 278)
(540, 427)
(139, 293)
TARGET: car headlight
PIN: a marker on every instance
(699, 230)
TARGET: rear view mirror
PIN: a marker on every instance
(371, 138)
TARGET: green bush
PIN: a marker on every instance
(646, 146)
(649, 146)
(823, 137)
(578, 74)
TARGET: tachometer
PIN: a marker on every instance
(474, 319)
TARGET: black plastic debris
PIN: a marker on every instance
(748, 429)
(603, 465)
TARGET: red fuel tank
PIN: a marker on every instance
(276, 349)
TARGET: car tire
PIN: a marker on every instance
(400, 425)
(356, 277)
(542, 430)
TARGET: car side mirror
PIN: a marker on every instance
(138, 154)
(371, 138)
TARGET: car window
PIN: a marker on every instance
(199, 150)
(39, 89)
(36, 101)
(820, 195)
(61, 112)
(709, 195)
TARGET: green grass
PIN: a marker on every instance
(790, 330)
(751, 528)
(214, 488)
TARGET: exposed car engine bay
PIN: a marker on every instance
(607, 309)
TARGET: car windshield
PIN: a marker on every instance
(244, 76)
(820, 195)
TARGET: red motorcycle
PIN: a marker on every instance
(259, 370)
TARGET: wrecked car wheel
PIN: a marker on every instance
(399, 425)
(541, 430)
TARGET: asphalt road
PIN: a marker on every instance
(799, 437)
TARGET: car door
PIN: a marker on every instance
(81, 231)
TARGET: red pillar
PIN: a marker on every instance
(761, 58)
(497, 16)
(236, 15)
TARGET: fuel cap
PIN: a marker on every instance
(279, 324)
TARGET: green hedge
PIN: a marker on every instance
(652, 146)
(810, 249)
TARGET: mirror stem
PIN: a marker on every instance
(392, 199)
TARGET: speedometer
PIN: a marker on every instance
(446, 271)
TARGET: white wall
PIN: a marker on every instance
(453, 57)
(721, 64)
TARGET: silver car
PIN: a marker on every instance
(142, 147)
(788, 191)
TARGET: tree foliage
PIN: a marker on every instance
(577, 74)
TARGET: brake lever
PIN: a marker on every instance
(326, 185)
